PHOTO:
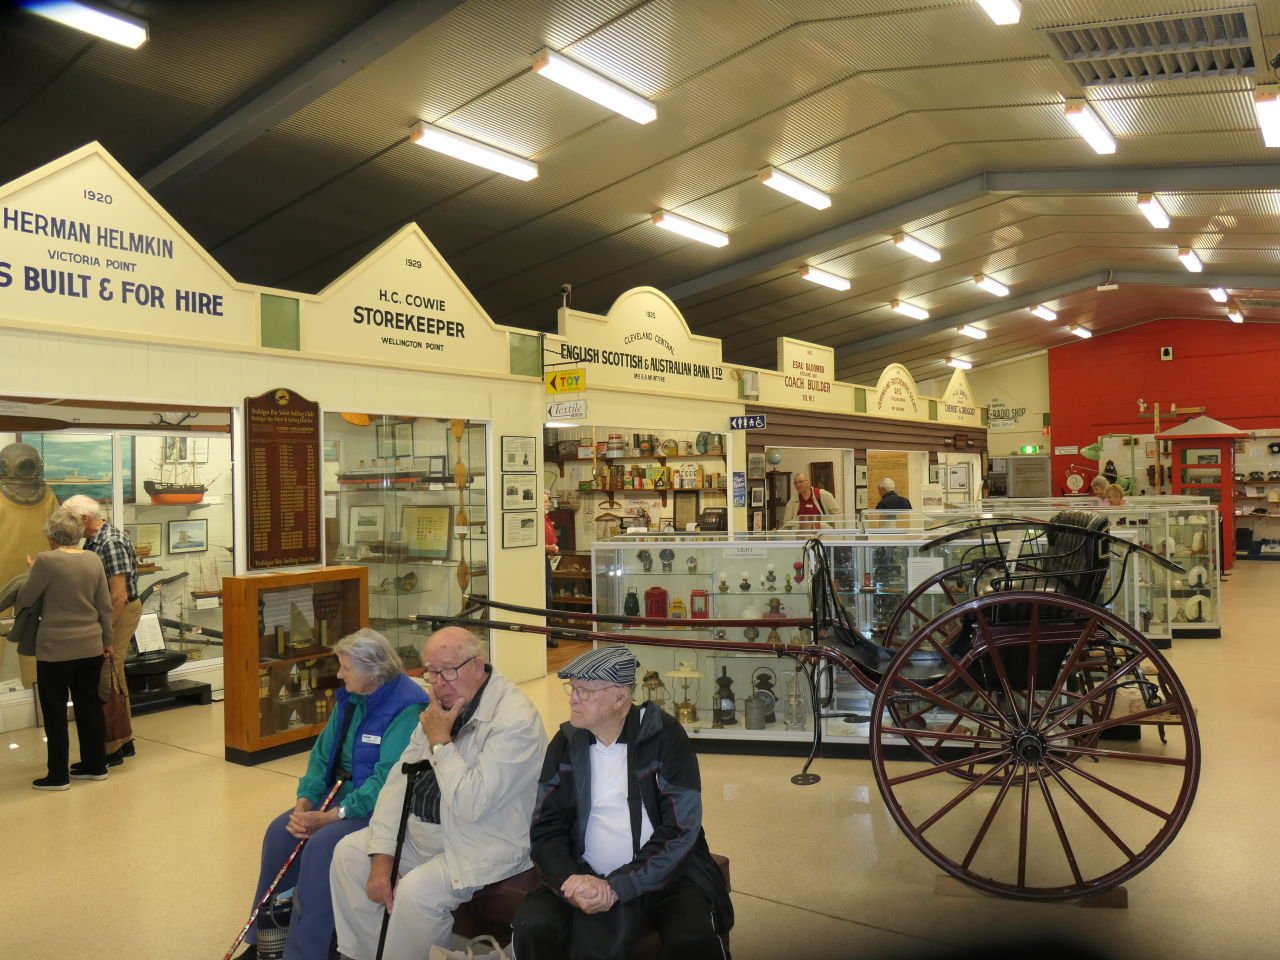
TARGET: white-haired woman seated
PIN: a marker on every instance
(371, 724)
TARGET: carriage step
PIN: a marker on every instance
(1117, 898)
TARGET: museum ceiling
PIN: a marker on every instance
(279, 134)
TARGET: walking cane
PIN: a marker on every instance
(279, 876)
(411, 771)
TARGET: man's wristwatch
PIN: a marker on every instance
(436, 748)
(342, 811)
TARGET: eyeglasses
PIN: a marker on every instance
(584, 693)
(447, 674)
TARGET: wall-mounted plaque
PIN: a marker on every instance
(282, 444)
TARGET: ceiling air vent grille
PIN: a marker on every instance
(1259, 304)
(1165, 48)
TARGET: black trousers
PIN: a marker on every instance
(79, 677)
(547, 927)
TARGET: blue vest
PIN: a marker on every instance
(380, 708)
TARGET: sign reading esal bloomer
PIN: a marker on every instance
(642, 342)
(402, 304)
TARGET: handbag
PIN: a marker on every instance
(115, 708)
(25, 626)
(492, 950)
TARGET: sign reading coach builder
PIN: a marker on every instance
(644, 343)
(402, 304)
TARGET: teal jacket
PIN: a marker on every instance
(360, 800)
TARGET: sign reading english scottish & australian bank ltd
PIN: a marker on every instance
(642, 343)
(404, 305)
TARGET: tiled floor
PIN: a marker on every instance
(158, 861)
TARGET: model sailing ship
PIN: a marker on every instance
(179, 481)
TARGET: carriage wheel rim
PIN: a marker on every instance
(1038, 754)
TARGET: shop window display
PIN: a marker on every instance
(407, 497)
(170, 494)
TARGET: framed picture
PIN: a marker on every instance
(437, 467)
(146, 538)
(757, 521)
(757, 496)
(935, 473)
(188, 536)
(822, 475)
(958, 476)
(519, 453)
(79, 463)
(364, 524)
(860, 498)
(198, 449)
(755, 466)
(685, 510)
(394, 440)
(519, 528)
(860, 475)
(519, 491)
(427, 531)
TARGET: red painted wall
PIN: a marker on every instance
(1233, 370)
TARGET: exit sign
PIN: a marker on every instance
(1029, 448)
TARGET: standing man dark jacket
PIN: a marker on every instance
(890, 499)
(624, 841)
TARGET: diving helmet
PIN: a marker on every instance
(22, 474)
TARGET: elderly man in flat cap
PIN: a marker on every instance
(606, 864)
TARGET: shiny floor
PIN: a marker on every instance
(158, 861)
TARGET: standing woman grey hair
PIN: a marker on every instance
(74, 636)
(375, 714)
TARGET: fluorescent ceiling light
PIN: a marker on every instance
(473, 151)
(969, 330)
(1266, 105)
(797, 189)
(593, 86)
(826, 279)
(917, 248)
(1081, 116)
(1218, 294)
(991, 285)
(688, 228)
(1235, 316)
(909, 310)
(1189, 259)
(1081, 332)
(1043, 312)
(1002, 12)
(100, 21)
(1153, 211)
(561, 424)
(959, 364)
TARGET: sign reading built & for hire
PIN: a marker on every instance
(83, 248)
(403, 305)
(642, 343)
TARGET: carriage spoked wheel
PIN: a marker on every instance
(1045, 810)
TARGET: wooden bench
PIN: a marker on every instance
(494, 907)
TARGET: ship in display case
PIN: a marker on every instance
(280, 670)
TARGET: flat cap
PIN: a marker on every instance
(611, 664)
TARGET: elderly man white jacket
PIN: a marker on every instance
(488, 780)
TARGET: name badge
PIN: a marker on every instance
(370, 738)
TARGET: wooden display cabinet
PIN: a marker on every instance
(279, 669)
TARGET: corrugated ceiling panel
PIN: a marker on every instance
(980, 84)
(1178, 114)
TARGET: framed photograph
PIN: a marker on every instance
(860, 475)
(331, 448)
(757, 521)
(860, 498)
(519, 528)
(394, 440)
(188, 536)
(427, 531)
(519, 491)
(822, 474)
(935, 473)
(146, 538)
(757, 496)
(755, 466)
(364, 524)
(437, 467)
(958, 476)
(519, 453)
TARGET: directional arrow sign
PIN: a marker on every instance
(753, 421)
(565, 381)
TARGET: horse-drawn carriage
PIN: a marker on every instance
(1016, 692)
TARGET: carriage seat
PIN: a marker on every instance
(1077, 562)
(493, 908)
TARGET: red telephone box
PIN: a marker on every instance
(1203, 456)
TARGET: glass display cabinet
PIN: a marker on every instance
(409, 501)
(279, 668)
